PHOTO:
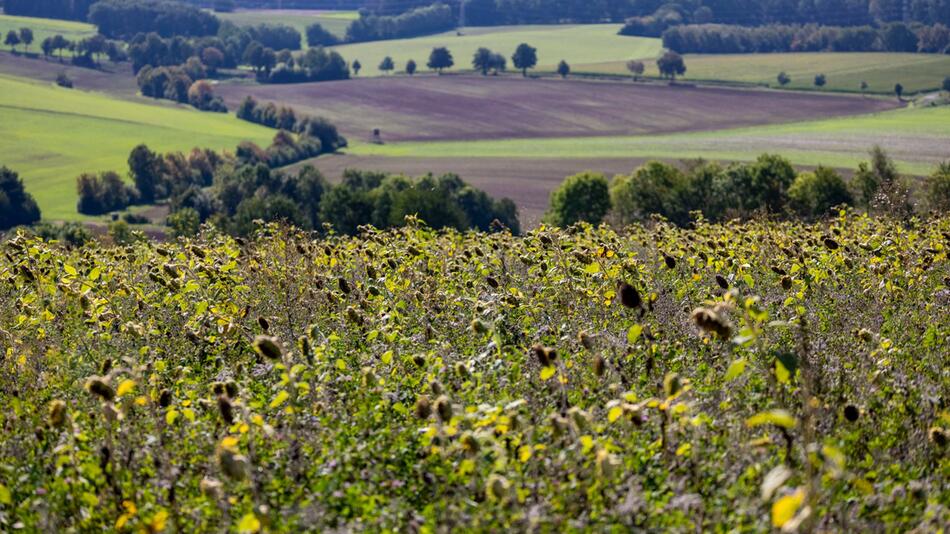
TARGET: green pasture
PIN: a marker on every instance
(51, 135)
(43, 28)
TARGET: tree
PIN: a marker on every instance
(411, 67)
(498, 64)
(946, 84)
(864, 86)
(482, 60)
(820, 80)
(26, 37)
(12, 40)
(671, 65)
(213, 59)
(253, 54)
(47, 46)
(783, 79)
(582, 197)
(387, 65)
(814, 193)
(563, 69)
(524, 58)
(440, 59)
(145, 168)
(356, 67)
(899, 91)
(317, 35)
(636, 68)
(17, 207)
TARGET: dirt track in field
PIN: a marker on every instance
(469, 107)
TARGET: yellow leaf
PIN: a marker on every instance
(524, 453)
(736, 368)
(125, 387)
(547, 372)
(587, 443)
(784, 509)
(781, 373)
(279, 399)
(634, 333)
(387, 357)
(121, 521)
(70, 270)
(141, 400)
(684, 449)
(130, 507)
(170, 416)
(189, 414)
(341, 365)
(5, 497)
(772, 417)
(249, 524)
(593, 268)
(614, 413)
(229, 442)
(158, 522)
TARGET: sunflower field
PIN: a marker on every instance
(754, 377)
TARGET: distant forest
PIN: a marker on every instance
(658, 14)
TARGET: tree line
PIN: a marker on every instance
(125, 18)
(730, 39)
(769, 186)
(426, 20)
(285, 118)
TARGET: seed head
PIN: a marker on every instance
(231, 388)
(831, 243)
(233, 465)
(262, 322)
(607, 463)
(100, 387)
(226, 409)
(587, 341)
(443, 408)
(711, 321)
(670, 261)
(938, 436)
(210, 487)
(106, 367)
(497, 487)
(268, 347)
(423, 407)
(721, 280)
(57, 413)
(851, 413)
(580, 418)
(629, 296)
(600, 365)
(469, 443)
(165, 398)
(786, 283)
(344, 286)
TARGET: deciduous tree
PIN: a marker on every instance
(524, 58)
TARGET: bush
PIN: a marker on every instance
(17, 207)
(184, 223)
(813, 194)
(63, 80)
(937, 188)
(584, 197)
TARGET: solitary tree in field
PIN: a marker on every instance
(946, 84)
(820, 80)
(864, 86)
(356, 67)
(26, 37)
(783, 79)
(563, 69)
(482, 60)
(387, 65)
(899, 91)
(411, 67)
(524, 58)
(440, 59)
(636, 68)
(12, 40)
(671, 65)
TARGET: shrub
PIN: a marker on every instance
(655, 188)
(63, 80)
(17, 207)
(937, 188)
(584, 197)
(184, 222)
(813, 194)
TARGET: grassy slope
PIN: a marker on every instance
(51, 135)
(844, 71)
(917, 138)
(43, 28)
(575, 44)
(335, 22)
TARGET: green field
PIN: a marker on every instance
(593, 43)
(917, 138)
(844, 71)
(51, 135)
(43, 28)
(335, 22)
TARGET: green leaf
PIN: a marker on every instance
(5, 497)
(634, 333)
(387, 357)
(736, 368)
(772, 417)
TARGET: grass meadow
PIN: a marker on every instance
(43, 28)
(51, 135)
(844, 71)
(917, 138)
(576, 44)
